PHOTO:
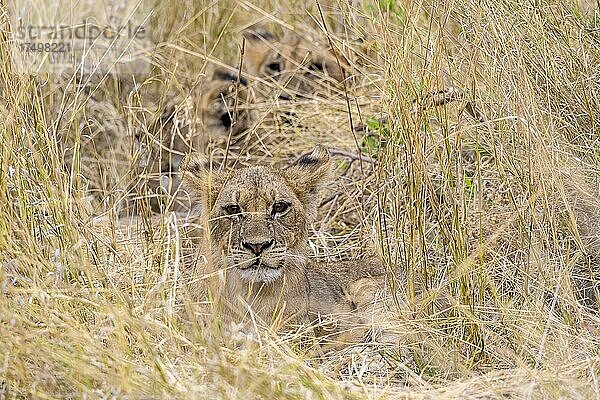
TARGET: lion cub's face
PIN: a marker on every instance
(294, 65)
(259, 216)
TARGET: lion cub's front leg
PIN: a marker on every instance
(342, 299)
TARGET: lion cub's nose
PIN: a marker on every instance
(257, 248)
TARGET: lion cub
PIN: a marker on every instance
(259, 219)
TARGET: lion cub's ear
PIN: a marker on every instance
(258, 33)
(308, 174)
(228, 75)
(201, 178)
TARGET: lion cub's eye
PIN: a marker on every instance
(316, 67)
(226, 120)
(280, 207)
(232, 209)
(274, 67)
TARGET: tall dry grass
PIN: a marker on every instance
(499, 216)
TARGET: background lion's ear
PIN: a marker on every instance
(258, 33)
(228, 75)
(201, 177)
(308, 174)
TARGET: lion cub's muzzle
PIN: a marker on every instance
(258, 257)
